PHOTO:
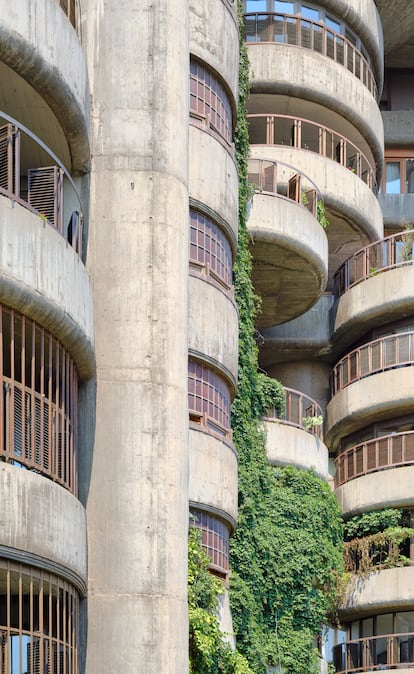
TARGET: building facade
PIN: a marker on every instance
(119, 329)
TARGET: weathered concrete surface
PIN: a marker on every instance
(210, 159)
(40, 44)
(398, 127)
(137, 504)
(40, 518)
(386, 488)
(290, 446)
(384, 298)
(213, 474)
(213, 325)
(382, 592)
(214, 39)
(309, 377)
(283, 69)
(290, 257)
(398, 23)
(379, 396)
(42, 277)
(397, 210)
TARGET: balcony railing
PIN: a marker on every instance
(377, 356)
(47, 190)
(372, 654)
(299, 411)
(277, 178)
(394, 251)
(388, 451)
(315, 35)
(306, 135)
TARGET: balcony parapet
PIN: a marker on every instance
(47, 190)
(299, 411)
(393, 251)
(297, 31)
(303, 134)
(387, 653)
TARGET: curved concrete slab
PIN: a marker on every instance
(209, 157)
(285, 69)
(379, 396)
(213, 475)
(290, 258)
(42, 277)
(386, 297)
(381, 592)
(213, 324)
(290, 446)
(386, 488)
(41, 519)
(214, 38)
(42, 47)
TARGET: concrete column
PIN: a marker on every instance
(137, 495)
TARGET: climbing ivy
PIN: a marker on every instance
(287, 550)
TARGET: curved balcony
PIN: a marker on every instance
(295, 30)
(387, 652)
(303, 134)
(371, 456)
(286, 238)
(393, 251)
(32, 175)
(295, 438)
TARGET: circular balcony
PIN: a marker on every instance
(290, 29)
(40, 80)
(385, 653)
(372, 382)
(295, 438)
(214, 38)
(289, 246)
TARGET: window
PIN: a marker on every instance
(209, 100)
(210, 249)
(214, 538)
(209, 398)
(399, 172)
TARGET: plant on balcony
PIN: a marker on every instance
(311, 422)
(320, 214)
(407, 247)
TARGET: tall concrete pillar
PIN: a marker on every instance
(137, 496)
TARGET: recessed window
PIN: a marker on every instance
(209, 100)
(399, 174)
(210, 249)
(214, 538)
(209, 398)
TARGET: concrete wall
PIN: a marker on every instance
(398, 128)
(42, 521)
(39, 43)
(287, 445)
(283, 69)
(213, 475)
(397, 209)
(378, 396)
(208, 159)
(308, 377)
(214, 38)
(290, 257)
(137, 496)
(385, 488)
(388, 590)
(42, 277)
(213, 325)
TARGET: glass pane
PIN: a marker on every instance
(334, 25)
(405, 622)
(409, 184)
(355, 630)
(284, 7)
(255, 5)
(384, 624)
(368, 627)
(392, 177)
(309, 13)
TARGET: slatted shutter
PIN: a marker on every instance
(9, 158)
(45, 193)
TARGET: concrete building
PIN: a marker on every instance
(118, 228)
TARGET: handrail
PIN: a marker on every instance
(296, 185)
(371, 456)
(297, 408)
(371, 654)
(396, 250)
(298, 31)
(379, 355)
(304, 134)
(45, 184)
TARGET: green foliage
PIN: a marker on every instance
(372, 522)
(377, 551)
(310, 422)
(208, 653)
(320, 214)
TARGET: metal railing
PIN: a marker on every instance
(47, 190)
(314, 35)
(277, 178)
(379, 355)
(370, 456)
(299, 409)
(394, 251)
(303, 134)
(371, 654)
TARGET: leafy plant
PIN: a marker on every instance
(377, 551)
(310, 422)
(320, 214)
(372, 522)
